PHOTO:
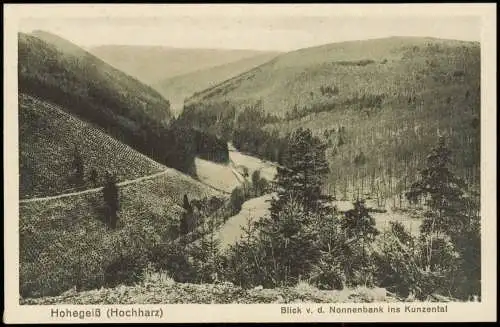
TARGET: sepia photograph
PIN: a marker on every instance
(193, 155)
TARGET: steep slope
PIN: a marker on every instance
(152, 64)
(180, 87)
(65, 240)
(92, 90)
(48, 61)
(379, 104)
(50, 140)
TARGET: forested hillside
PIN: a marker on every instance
(85, 86)
(378, 104)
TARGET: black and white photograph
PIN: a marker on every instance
(205, 157)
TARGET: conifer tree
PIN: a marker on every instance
(78, 167)
(111, 199)
(443, 192)
(187, 216)
(450, 211)
(304, 172)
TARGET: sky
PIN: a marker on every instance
(280, 29)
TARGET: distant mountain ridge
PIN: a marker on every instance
(153, 64)
(178, 88)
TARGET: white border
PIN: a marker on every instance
(484, 311)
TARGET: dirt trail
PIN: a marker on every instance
(98, 189)
(93, 190)
(238, 176)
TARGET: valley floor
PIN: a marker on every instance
(225, 177)
(252, 209)
(257, 208)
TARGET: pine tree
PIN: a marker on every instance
(358, 223)
(111, 199)
(448, 211)
(359, 231)
(304, 173)
(237, 199)
(443, 193)
(205, 253)
(276, 252)
(255, 181)
(187, 216)
(78, 167)
(94, 176)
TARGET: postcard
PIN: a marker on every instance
(249, 163)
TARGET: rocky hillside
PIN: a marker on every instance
(169, 292)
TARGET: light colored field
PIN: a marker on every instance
(252, 209)
(225, 177)
(267, 169)
(219, 176)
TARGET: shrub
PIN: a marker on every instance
(398, 267)
(173, 259)
(111, 199)
(237, 199)
(275, 252)
(126, 269)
